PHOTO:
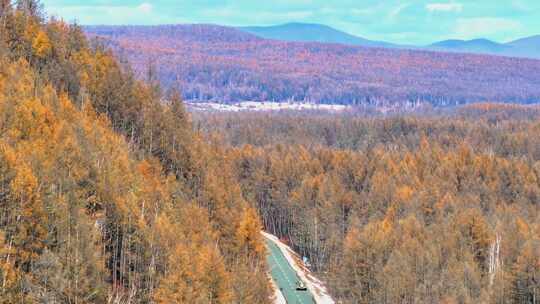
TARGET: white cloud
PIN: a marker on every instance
(485, 26)
(394, 13)
(361, 11)
(444, 7)
(145, 13)
(145, 7)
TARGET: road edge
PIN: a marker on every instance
(278, 298)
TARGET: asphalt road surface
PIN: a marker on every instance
(285, 276)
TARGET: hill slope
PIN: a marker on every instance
(526, 47)
(202, 33)
(532, 42)
(207, 67)
(104, 198)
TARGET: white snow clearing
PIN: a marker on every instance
(264, 106)
(315, 286)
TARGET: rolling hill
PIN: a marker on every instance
(305, 32)
(526, 47)
(223, 64)
(480, 46)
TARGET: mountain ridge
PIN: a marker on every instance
(481, 46)
(527, 47)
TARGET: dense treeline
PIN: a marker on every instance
(429, 209)
(212, 63)
(106, 193)
(490, 128)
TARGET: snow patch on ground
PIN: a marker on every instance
(315, 286)
(256, 106)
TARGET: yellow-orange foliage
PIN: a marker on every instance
(41, 45)
(248, 235)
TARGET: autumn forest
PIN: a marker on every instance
(112, 192)
(420, 209)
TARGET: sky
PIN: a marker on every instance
(416, 22)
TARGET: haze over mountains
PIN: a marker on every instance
(224, 64)
(527, 47)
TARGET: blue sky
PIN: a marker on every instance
(405, 21)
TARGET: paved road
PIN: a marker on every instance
(285, 276)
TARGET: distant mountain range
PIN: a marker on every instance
(304, 32)
(526, 47)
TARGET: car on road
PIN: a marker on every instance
(300, 285)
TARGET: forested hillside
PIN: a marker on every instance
(440, 208)
(107, 195)
(213, 63)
